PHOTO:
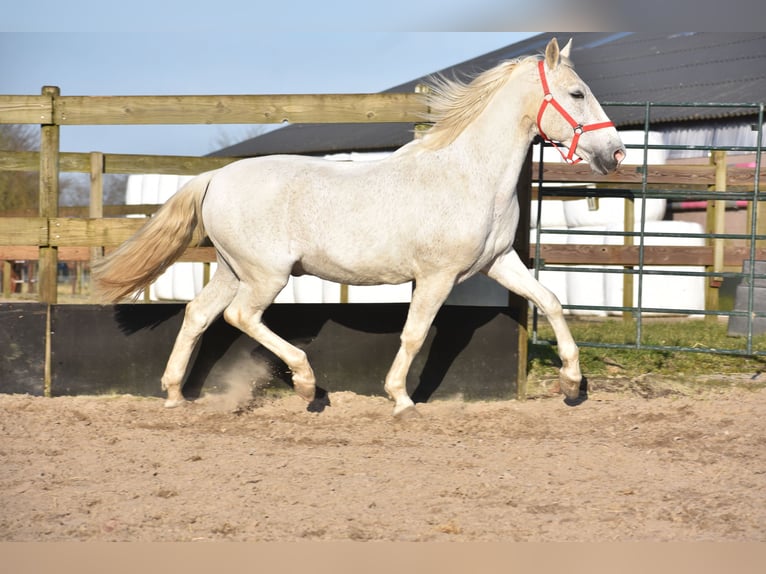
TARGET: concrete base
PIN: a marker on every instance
(738, 326)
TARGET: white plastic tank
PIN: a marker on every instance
(556, 281)
(662, 291)
(586, 288)
(552, 210)
(552, 214)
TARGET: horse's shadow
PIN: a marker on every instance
(131, 319)
(323, 331)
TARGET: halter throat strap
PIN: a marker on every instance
(577, 127)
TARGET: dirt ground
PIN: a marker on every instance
(641, 460)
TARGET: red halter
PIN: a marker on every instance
(579, 129)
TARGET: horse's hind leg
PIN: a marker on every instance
(200, 312)
(428, 296)
(512, 274)
(246, 313)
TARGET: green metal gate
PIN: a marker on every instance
(746, 313)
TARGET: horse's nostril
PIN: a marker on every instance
(619, 155)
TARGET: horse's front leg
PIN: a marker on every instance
(511, 273)
(427, 298)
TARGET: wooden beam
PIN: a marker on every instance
(49, 201)
(669, 175)
(671, 255)
(96, 204)
(116, 163)
(30, 253)
(517, 306)
(66, 231)
(7, 280)
(26, 109)
(170, 165)
(30, 161)
(256, 109)
(551, 254)
(19, 160)
(23, 231)
(82, 211)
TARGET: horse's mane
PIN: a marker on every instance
(454, 103)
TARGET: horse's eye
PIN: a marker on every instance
(577, 95)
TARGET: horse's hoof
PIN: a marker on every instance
(320, 401)
(581, 397)
(305, 391)
(173, 403)
(407, 413)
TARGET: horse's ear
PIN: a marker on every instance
(566, 49)
(552, 54)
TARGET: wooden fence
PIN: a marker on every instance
(52, 236)
(70, 234)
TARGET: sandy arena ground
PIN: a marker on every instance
(639, 461)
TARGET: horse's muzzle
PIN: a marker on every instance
(603, 164)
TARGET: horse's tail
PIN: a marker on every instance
(145, 256)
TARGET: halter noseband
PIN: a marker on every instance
(579, 129)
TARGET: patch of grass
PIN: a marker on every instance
(696, 334)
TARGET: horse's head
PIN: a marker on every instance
(571, 116)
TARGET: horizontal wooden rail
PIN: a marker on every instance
(72, 232)
(227, 109)
(130, 164)
(26, 109)
(32, 253)
(121, 210)
(23, 231)
(20, 238)
(670, 255)
(551, 254)
(127, 164)
(670, 175)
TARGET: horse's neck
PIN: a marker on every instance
(498, 140)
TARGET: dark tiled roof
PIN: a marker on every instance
(323, 139)
(657, 67)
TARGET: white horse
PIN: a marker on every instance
(439, 210)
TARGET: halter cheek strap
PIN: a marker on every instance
(578, 128)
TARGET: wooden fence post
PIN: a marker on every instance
(49, 200)
(628, 280)
(716, 221)
(7, 281)
(519, 306)
(96, 204)
(48, 208)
